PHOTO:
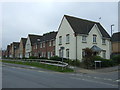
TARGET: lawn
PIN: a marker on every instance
(44, 66)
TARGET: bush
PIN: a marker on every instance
(116, 59)
(105, 62)
(43, 58)
(56, 58)
(32, 57)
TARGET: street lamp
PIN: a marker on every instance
(62, 48)
(111, 29)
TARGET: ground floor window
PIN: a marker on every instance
(67, 53)
(83, 53)
(104, 54)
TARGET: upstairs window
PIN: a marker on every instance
(43, 44)
(67, 39)
(53, 42)
(84, 38)
(103, 41)
(94, 38)
(49, 43)
(36, 46)
(60, 40)
(40, 45)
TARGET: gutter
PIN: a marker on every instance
(76, 45)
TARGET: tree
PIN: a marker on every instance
(88, 57)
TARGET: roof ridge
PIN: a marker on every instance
(81, 18)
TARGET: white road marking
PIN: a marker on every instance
(93, 81)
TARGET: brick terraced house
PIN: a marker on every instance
(45, 47)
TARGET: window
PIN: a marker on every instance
(60, 53)
(67, 39)
(40, 45)
(36, 46)
(104, 54)
(53, 43)
(67, 53)
(48, 54)
(49, 43)
(94, 38)
(103, 41)
(60, 40)
(84, 38)
(83, 53)
(44, 44)
(51, 54)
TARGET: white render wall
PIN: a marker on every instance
(65, 29)
(28, 47)
(89, 43)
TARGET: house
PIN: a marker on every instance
(22, 47)
(3, 53)
(76, 34)
(46, 46)
(8, 51)
(15, 49)
(115, 43)
(31, 39)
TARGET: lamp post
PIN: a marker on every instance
(62, 48)
(111, 29)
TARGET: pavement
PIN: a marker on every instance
(17, 76)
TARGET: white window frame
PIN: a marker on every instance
(60, 39)
(43, 44)
(94, 38)
(103, 41)
(104, 54)
(84, 38)
(50, 43)
(83, 53)
(53, 42)
(67, 39)
(67, 53)
(40, 45)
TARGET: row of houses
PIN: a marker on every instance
(73, 36)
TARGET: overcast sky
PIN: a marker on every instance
(21, 19)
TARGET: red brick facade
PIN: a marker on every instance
(45, 47)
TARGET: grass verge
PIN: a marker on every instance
(44, 66)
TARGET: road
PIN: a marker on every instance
(17, 77)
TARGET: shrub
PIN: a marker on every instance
(43, 58)
(105, 62)
(32, 57)
(56, 58)
(116, 59)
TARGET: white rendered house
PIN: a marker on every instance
(31, 39)
(75, 34)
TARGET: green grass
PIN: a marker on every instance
(44, 66)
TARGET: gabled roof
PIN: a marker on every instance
(96, 48)
(16, 44)
(23, 41)
(34, 38)
(116, 37)
(48, 36)
(82, 26)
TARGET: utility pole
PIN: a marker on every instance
(111, 29)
